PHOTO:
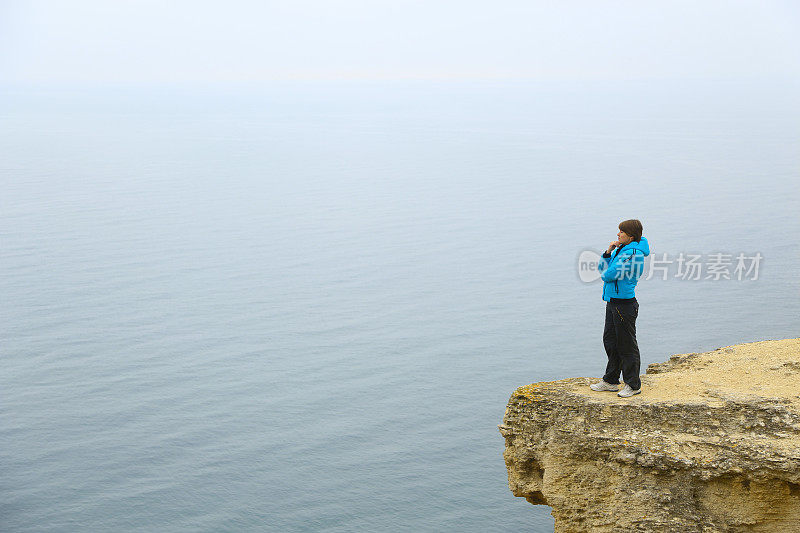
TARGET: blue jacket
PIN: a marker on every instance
(621, 269)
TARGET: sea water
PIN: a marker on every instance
(304, 306)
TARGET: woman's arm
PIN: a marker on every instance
(626, 265)
(602, 264)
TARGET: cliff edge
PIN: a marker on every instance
(711, 444)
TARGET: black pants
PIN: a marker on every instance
(619, 339)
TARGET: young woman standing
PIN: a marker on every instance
(620, 272)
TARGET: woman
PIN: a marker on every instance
(620, 273)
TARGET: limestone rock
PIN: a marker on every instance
(711, 444)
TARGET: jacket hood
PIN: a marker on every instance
(643, 246)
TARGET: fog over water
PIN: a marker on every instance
(303, 306)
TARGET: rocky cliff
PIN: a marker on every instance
(711, 444)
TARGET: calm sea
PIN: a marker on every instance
(303, 307)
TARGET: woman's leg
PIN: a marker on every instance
(610, 343)
(627, 346)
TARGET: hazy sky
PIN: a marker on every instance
(239, 40)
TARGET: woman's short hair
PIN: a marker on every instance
(632, 227)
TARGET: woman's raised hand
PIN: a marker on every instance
(612, 246)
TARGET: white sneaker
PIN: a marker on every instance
(627, 392)
(602, 386)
